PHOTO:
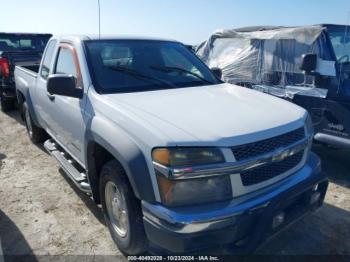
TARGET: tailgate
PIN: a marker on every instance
(24, 78)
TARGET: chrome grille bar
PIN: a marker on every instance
(234, 167)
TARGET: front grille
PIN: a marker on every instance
(268, 145)
(271, 170)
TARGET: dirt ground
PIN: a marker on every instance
(42, 213)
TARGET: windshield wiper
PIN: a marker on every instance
(179, 69)
(137, 74)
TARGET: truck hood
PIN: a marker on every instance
(216, 115)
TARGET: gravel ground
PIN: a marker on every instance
(41, 211)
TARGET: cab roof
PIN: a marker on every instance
(108, 37)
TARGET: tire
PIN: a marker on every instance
(132, 240)
(7, 104)
(36, 134)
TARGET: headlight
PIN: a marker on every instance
(175, 191)
(194, 191)
(182, 157)
(309, 125)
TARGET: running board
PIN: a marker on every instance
(79, 178)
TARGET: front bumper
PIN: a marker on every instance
(240, 224)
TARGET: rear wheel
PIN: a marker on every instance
(35, 133)
(122, 210)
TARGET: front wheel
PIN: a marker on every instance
(36, 134)
(122, 210)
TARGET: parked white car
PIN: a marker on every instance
(179, 160)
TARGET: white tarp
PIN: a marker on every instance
(291, 91)
(269, 57)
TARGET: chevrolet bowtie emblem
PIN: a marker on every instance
(280, 154)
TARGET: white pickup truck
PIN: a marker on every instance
(180, 161)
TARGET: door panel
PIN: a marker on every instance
(337, 121)
(329, 115)
(66, 114)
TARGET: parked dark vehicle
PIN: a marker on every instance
(17, 49)
(308, 65)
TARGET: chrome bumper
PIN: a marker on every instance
(197, 218)
(250, 217)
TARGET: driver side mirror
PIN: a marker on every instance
(64, 85)
(217, 72)
(308, 63)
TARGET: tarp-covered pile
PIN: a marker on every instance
(265, 56)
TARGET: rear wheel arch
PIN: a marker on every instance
(25, 97)
(21, 99)
(36, 134)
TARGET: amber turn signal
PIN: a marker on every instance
(161, 156)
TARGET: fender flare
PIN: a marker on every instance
(28, 100)
(125, 151)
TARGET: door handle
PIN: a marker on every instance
(51, 96)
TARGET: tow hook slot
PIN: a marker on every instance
(278, 220)
(315, 195)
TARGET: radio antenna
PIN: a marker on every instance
(99, 19)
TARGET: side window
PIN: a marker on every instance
(45, 68)
(65, 63)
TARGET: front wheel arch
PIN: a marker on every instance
(136, 169)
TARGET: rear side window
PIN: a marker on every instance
(65, 63)
(45, 68)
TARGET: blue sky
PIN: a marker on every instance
(190, 21)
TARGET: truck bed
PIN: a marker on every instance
(32, 68)
(25, 77)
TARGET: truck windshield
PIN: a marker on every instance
(340, 38)
(21, 42)
(142, 65)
